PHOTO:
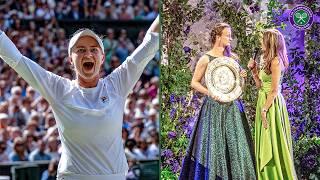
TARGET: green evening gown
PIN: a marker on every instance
(273, 146)
(220, 146)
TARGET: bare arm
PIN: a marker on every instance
(256, 78)
(255, 72)
(198, 75)
(275, 82)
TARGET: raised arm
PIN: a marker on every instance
(37, 77)
(125, 76)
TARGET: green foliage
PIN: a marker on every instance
(176, 75)
(306, 159)
(175, 83)
(166, 174)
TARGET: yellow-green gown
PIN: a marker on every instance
(273, 146)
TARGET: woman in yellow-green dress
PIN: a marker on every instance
(273, 143)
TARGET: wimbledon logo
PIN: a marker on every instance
(301, 17)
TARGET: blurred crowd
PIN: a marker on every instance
(81, 9)
(28, 129)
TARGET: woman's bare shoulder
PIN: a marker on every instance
(204, 59)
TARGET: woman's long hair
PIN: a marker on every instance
(275, 46)
(217, 31)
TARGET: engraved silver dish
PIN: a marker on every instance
(223, 79)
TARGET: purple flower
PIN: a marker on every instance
(190, 129)
(191, 119)
(309, 162)
(172, 135)
(183, 100)
(175, 166)
(186, 31)
(172, 98)
(316, 54)
(256, 8)
(185, 127)
(194, 97)
(302, 125)
(251, 9)
(318, 131)
(186, 49)
(172, 112)
(167, 153)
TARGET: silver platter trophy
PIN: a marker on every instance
(223, 79)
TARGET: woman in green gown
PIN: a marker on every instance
(273, 143)
(220, 145)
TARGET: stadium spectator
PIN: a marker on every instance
(51, 172)
(3, 155)
(39, 153)
(76, 10)
(19, 153)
